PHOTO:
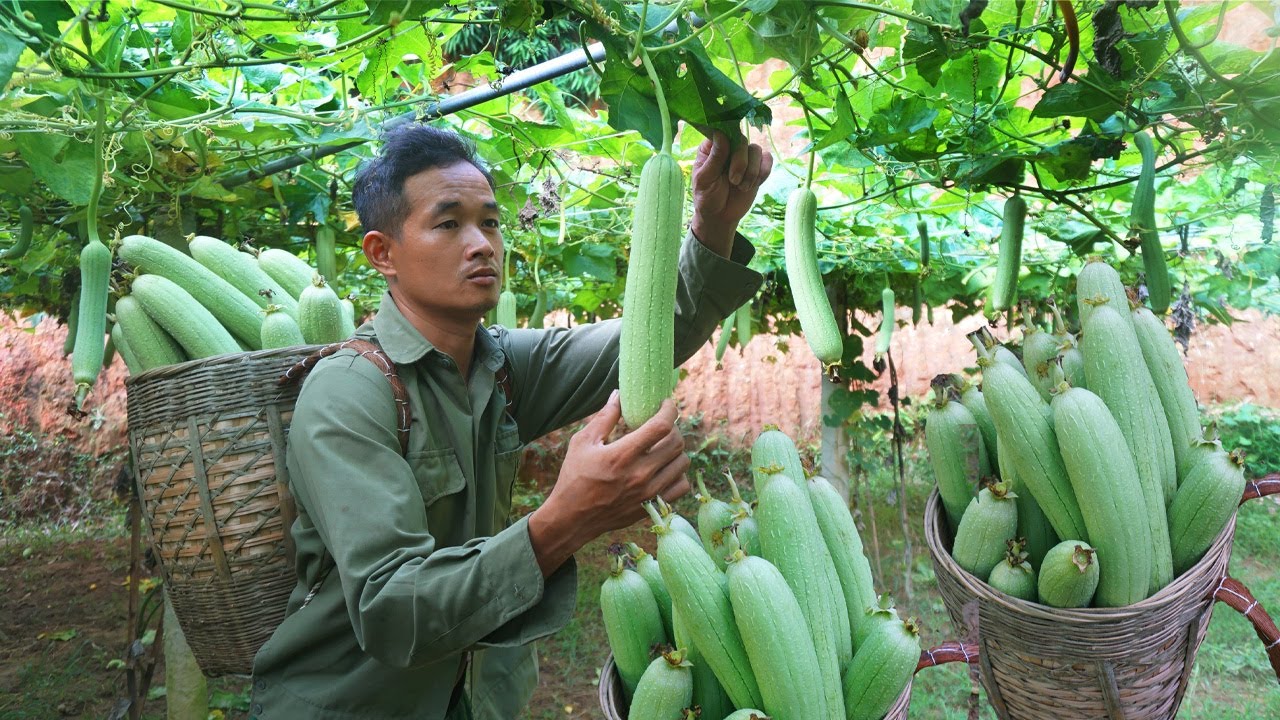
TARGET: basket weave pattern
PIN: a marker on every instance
(1037, 662)
(208, 440)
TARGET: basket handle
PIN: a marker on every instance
(1233, 593)
(1262, 487)
(948, 652)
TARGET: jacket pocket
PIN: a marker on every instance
(437, 473)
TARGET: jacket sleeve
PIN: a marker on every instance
(561, 375)
(410, 601)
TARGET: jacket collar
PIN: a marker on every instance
(405, 345)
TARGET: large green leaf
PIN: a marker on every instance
(394, 12)
(66, 167)
(1074, 99)
(10, 48)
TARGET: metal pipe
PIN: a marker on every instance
(519, 80)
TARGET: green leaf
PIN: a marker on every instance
(10, 49)
(66, 167)
(1074, 99)
(394, 12)
(181, 30)
(209, 189)
(60, 636)
(591, 260)
(845, 125)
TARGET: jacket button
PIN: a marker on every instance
(257, 708)
(260, 684)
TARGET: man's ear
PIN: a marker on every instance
(378, 249)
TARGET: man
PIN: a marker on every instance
(417, 597)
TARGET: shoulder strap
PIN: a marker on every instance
(378, 357)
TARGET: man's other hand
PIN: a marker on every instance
(603, 484)
(725, 183)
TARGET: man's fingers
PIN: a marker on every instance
(672, 482)
(738, 164)
(750, 177)
(605, 421)
(766, 167)
(710, 164)
(667, 447)
(642, 438)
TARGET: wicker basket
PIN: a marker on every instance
(208, 445)
(614, 705)
(1129, 663)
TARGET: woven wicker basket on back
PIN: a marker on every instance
(614, 705)
(1129, 663)
(208, 444)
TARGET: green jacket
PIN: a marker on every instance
(428, 564)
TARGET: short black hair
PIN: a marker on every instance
(407, 150)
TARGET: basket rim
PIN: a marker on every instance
(168, 371)
(1176, 590)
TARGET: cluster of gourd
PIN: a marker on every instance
(768, 611)
(174, 306)
(1079, 474)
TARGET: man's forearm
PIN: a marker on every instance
(718, 239)
(551, 546)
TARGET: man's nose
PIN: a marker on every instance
(478, 244)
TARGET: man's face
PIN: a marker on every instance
(447, 257)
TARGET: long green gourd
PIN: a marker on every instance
(1099, 284)
(26, 231)
(632, 622)
(714, 516)
(1204, 505)
(287, 269)
(885, 336)
(1039, 349)
(791, 539)
(95, 280)
(1142, 222)
(700, 594)
(881, 670)
(778, 642)
(122, 346)
(973, 399)
(320, 314)
(1117, 373)
(707, 691)
(148, 343)
(957, 451)
(774, 447)
(243, 272)
(1025, 422)
(845, 545)
(742, 320)
(233, 309)
(327, 254)
(1004, 291)
(1069, 575)
(1069, 351)
(1013, 575)
(989, 522)
(506, 316)
(647, 568)
(1170, 377)
(1033, 527)
(647, 347)
(726, 332)
(817, 319)
(184, 318)
(665, 688)
(279, 330)
(1110, 494)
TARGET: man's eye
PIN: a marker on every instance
(448, 224)
(491, 222)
